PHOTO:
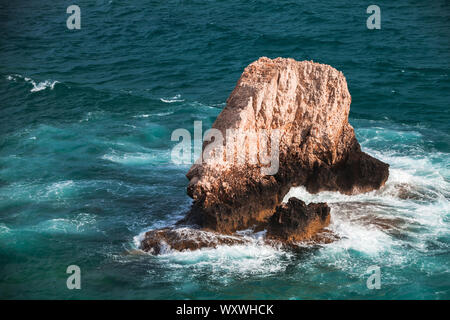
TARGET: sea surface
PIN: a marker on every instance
(86, 118)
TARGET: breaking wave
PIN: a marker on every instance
(173, 99)
(37, 86)
(410, 211)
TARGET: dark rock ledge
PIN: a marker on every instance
(292, 222)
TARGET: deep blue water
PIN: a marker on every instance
(86, 118)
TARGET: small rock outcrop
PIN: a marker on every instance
(293, 224)
(184, 239)
(308, 105)
(295, 221)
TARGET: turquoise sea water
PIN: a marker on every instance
(85, 123)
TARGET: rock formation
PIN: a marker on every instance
(291, 223)
(308, 104)
(302, 110)
(185, 239)
(295, 221)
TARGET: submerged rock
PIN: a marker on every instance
(185, 239)
(303, 107)
(295, 221)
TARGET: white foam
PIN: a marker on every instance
(58, 188)
(425, 207)
(43, 85)
(137, 240)
(37, 86)
(159, 114)
(162, 114)
(225, 261)
(137, 158)
(92, 115)
(365, 239)
(4, 229)
(14, 77)
(173, 99)
(81, 223)
(38, 192)
(355, 219)
(252, 258)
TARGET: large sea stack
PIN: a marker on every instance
(308, 103)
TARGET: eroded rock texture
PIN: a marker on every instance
(185, 239)
(309, 104)
(293, 224)
(295, 221)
